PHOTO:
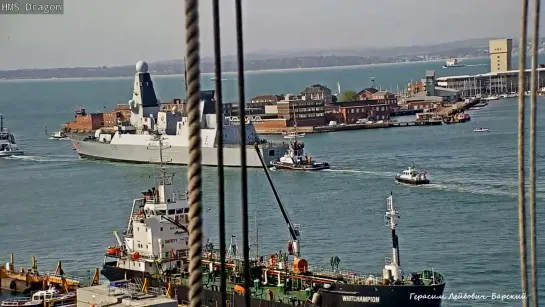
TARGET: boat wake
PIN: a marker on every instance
(378, 174)
(59, 139)
(43, 158)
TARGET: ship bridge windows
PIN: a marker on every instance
(171, 211)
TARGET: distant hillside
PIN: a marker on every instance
(279, 60)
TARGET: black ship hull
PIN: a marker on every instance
(412, 182)
(300, 167)
(338, 295)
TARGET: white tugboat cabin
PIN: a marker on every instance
(156, 238)
(412, 176)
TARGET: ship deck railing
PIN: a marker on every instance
(16, 301)
(69, 278)
(350, 276)
(263, 145)
(135, 290)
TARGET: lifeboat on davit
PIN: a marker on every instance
(113, 251)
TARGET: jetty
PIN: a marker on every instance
(24, 281)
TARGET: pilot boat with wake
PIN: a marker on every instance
(412, 176)
(8, 147)
(155, 246)
(296, 159)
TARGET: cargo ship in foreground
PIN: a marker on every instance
(155, 247)
(131, 138)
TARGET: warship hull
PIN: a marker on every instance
(177, 155)
(342, 295)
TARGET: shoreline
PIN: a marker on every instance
(230, 73)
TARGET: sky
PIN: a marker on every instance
(122, 32)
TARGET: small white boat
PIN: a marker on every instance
(8, 147)
(59, 135)
(480, 130)
(42, 298)
(493, 97)
(293, 135)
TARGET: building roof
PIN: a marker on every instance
(380, 93)
(423, 98)
(315, 89)
(267, 97)
(430, 73)
(446, 89)
(357, 103)
(490, 74)
(370, 90)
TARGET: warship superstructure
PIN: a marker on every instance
(154, 252)
(129, 142)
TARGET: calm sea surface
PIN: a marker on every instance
(58, 207)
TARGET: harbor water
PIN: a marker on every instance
(58, 207)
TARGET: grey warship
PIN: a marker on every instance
(131, 138)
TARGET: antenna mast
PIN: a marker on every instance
(1, 122)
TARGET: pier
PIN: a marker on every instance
(123, 293)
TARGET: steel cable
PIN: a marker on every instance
(194, 164)
(521, 173)
(219, 144)
(244, 171)
(533, 106)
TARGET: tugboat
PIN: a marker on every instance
(8, 147)
(295, 159)
(411, 176)
(155, 249)
(59, 135)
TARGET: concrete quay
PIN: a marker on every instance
(107, 295)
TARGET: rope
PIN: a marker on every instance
(521, 175)
(533, 98)
(194, 165)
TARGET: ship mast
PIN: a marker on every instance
(1, 122)
(392, 271)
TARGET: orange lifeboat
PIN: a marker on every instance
(113, 250)
(135, 256)
(239, 289)
(300, 266)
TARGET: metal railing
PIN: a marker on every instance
(194, 169)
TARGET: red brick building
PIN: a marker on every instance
(350, 112)
(424, 104)
(382, 97)
(306, 112)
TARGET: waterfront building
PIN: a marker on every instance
(318, 92)
(349, 112)
(500, 51)
(272, 99)
(493, 83)
(301, 109)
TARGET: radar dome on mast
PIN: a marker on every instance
(141, 67)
